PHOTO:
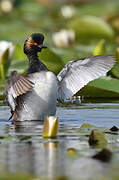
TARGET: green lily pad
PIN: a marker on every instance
(6, 138)
(19, 66)
(91, 27)
(117, 55)
(18, 176)
(115, 23)
(115, 71)
(25, 138)
(100, 8)
(51, 60)
(71, 152)
(86, 129)
(105, 87)
(18, 53)
(87, 125)
(47, 56)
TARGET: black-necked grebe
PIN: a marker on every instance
(34, 96)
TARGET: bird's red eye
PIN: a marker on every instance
(35, 44)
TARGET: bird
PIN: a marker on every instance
(34, 96)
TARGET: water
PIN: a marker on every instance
(99, 114)
(23, 150)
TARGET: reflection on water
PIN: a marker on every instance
(48, 160)
(28, 152)
(40, 159)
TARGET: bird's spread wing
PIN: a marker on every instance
(17, 85)
(76, 74)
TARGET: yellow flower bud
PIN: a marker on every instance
(50, 129)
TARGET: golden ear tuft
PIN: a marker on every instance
(29, 43)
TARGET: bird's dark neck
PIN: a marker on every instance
(35, 65)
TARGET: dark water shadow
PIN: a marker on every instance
(28, 126)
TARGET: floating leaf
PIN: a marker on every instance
(99, 8)
(47, 56)
(87, 125)
(86, 128)
(117, 55)
(115, 23)
(18, 176)
(97, 139)
(91, 27)
(6, 138)
(18, 53)
(105, 87)
(19, 66)
(115, 71)
(51, 60)
(25, 138)
(71, 152)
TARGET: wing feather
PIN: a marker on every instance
(17, 85)
(22, 86)
(76, 74)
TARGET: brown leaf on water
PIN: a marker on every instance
(97, 139)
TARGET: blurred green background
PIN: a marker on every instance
(84, 28)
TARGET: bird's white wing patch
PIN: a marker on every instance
(76, 74)
(11, 98)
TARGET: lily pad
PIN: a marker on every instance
(87, 125)
(97, 139)
(6, 138)
(105, 87)
(19, 66)
(115, 71)
(91, 27)
(71, 152)
(47, 56)
(25, 138)
(18, 53)
(14, 176)
(51, 60)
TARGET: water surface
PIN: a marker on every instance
(23, 150)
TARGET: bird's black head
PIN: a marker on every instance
(34, 44)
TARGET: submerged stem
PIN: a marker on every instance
(2, 72)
